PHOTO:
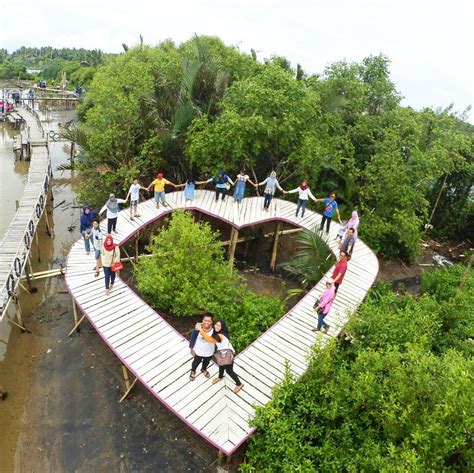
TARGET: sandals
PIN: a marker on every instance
(96, 274)
(206, 374)
(192, 376)
(238, 388)
(216, 380)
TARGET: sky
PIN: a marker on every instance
(430, 43)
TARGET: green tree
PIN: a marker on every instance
(390, 399)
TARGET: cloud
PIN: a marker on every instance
(430, 44)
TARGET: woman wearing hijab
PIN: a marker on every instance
(353, 223)
(271, 185)
(112, 207)
(304, 192)
(110, 254)
(220, 337)
(240, 181)
(87, 218)
(323, 306)
(222, 183)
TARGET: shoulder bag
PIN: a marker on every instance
(223, 357)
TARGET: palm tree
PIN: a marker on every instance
(311, 261)
(171, 111)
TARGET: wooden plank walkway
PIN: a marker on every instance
(15, 244)
(159, 356)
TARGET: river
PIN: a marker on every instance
(62, 412)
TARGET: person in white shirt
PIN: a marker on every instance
(304, 192)
(201, 349)
(221, 339)
(240, 181)
(134, 194)
(95, 240)
(112, 212)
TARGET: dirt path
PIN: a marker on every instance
(66, 411)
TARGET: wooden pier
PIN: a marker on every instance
(16, 244)
(156, 355)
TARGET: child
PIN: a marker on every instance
(134, 193)
(342, 230)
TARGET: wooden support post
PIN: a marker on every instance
(220, 457)
(73, 150)
(233, 243)
(76, 327)
(132, 260)
(38, 245)
(18, 314)
(128, 385)
(127, 392)
(48, 226)
(126, 377)
(137, 240)
(275, 247)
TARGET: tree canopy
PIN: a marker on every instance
(202, 106)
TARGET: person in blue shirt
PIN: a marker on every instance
(330, 206)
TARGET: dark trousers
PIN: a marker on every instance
(197, 361)
(220, 190)
(267, 198)
(109, 276)
(111, 224)
(229, 369)
(336, 287)
(328, 223)
(302, 203)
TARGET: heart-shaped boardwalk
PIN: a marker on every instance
(159, 356)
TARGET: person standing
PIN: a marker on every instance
(222, 183)
(271, 184)
(134, 194)
(339, 271)
(160, 182)
(329, 209)
(304, 192)
(201, 349)
(86, 225)
(353, 222)
(347, 245)
(112, 207)
(240, 181)
(96, 243)
(220, 338)
(189, 188)
(110, 254)
(323, 306)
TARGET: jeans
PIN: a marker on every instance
(302, 203)
(220, 190)
(321, 322)
(267, 198)
(328, 223)
(197, 360)
(87, 243)
(97, 254)
(229, 369)
(160, 196)
(111, 224)
(109, 276)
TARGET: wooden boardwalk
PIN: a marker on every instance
(15, 244)
(159, 356)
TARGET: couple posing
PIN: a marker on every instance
(208, 341)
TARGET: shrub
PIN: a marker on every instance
(394, 399)
(188, 273)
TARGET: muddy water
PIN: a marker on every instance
(62, 412)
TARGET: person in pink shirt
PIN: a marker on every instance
(323, 306)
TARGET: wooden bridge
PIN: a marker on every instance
(16, 243)
(159, 357)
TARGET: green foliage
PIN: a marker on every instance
(311, 261)
(188, 273)
(203, 106)
(394, 399)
